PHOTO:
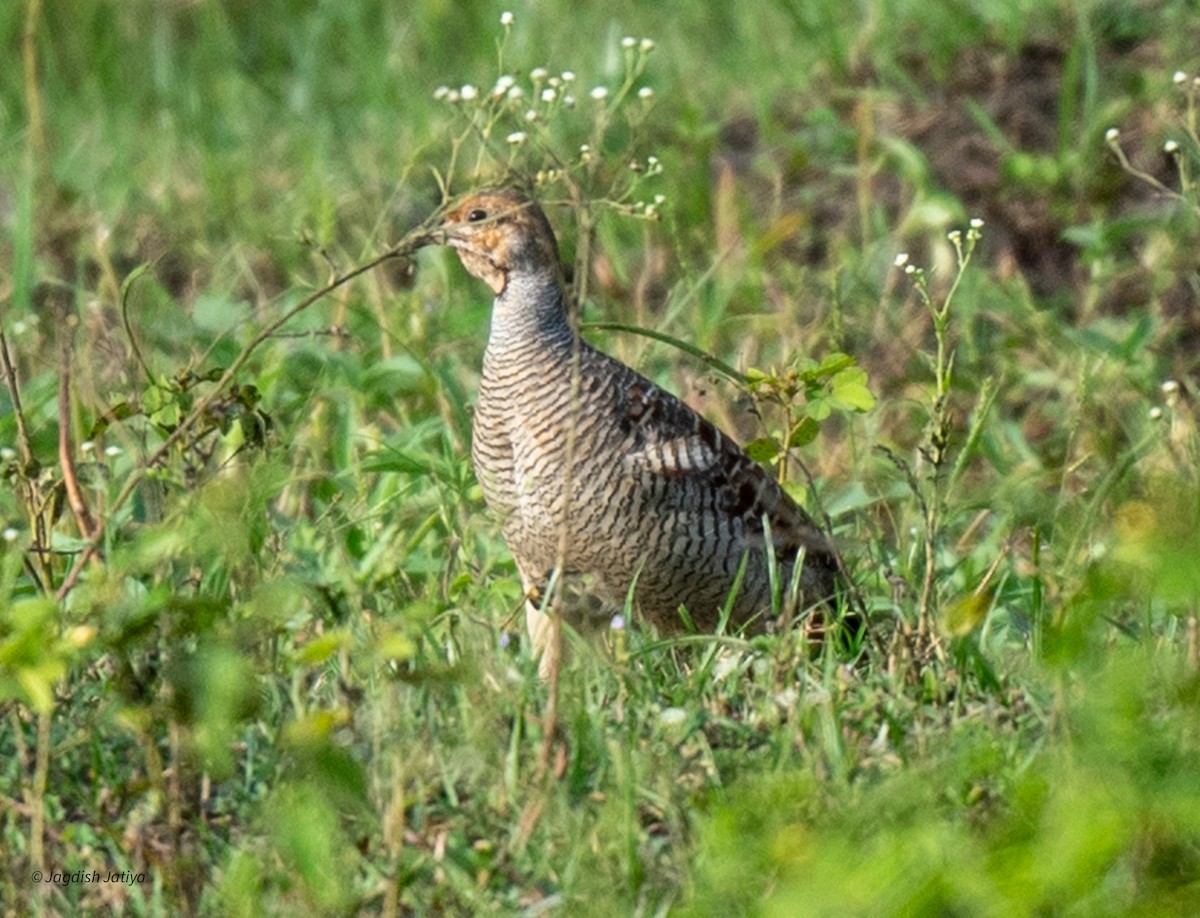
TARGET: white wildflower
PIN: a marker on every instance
(629, 42)
(647, 45)
(1179, 78)
(672, 717)
(1111, 135)
(537, 74)
(515, 137)
(599, 93)
(548, 95)
(900, 260)
(506, 19)
(645, 93)
(1171, 147)
(787, 699)
(1170, 387)
(468, 92)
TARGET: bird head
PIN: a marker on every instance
(498, 233)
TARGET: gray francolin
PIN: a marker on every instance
(597, 473)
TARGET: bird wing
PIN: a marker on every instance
(670, 441)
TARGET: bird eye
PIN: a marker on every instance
(476, 215)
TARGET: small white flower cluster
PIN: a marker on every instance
(503, 86)
(522, 107)
(652, 166)
(974, 234)
(644, 45)
(1112, 136)
(901, 261)
(1180, 79)
(974, 226)
(648, 209)
(87, 446)
(20, 326)
(1170, 391)
(545, 89)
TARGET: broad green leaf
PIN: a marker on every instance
(764, 449)
(806, 431)
(849, 390)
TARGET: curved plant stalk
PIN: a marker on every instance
(423, 235)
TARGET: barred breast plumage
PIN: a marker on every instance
(589, 464)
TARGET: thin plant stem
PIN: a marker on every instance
(414, 240)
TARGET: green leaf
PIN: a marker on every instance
(966, 613)
(320, 649)
(764, 449)
(396, 647)
(167, 417)
(829, 366)
(806, 431)
(818, 409)
(854, 396)
(396, 461)
(849, 390)
(118, 412)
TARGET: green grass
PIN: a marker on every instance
(293, 678)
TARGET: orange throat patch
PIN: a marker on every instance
(485, 269)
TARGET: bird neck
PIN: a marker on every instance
(531, 306)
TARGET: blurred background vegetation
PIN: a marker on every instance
(258, 636)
